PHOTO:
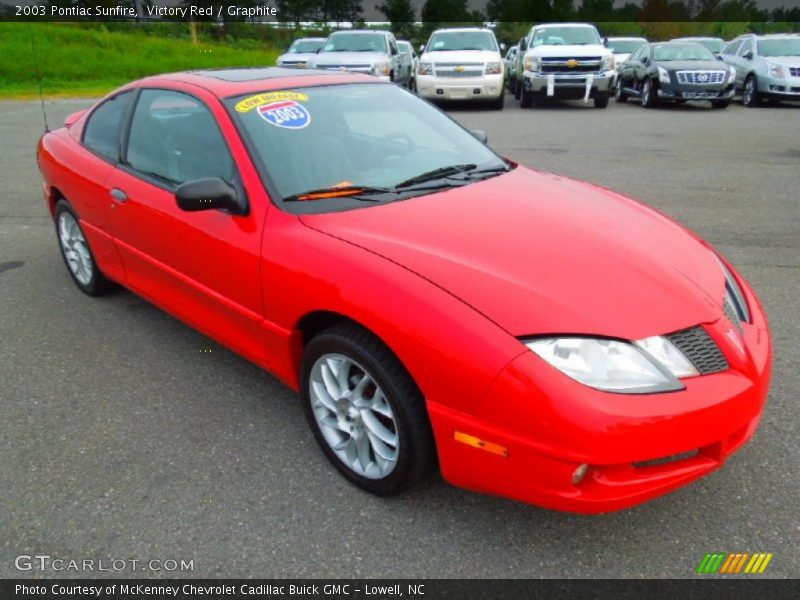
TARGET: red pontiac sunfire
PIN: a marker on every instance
(538, 338)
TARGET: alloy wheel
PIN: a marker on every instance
(75, 248)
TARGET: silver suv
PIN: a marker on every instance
(767, 66)
(363, 51)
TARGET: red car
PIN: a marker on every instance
(538, 338)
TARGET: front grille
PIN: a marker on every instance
(794, 71)
(699, 95)
(293, 63)
(459, 69)
(701, 77)
(700, 349)
(564, 65)
(666, 459)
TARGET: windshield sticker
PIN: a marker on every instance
(287, 114)
(252, 102)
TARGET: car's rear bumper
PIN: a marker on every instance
(536, 427)
(487, 87)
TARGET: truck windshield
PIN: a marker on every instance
(443, 41)
(562, 36)
(356, 42)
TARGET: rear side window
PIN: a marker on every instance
(175, 138)
(102, 131)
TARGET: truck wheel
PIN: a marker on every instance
(648, 94)
(601, 102)
(499, 102)
(526, 99)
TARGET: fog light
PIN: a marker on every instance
(579, 474)
(440, 92)
(476, 91)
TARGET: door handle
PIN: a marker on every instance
(118, 195)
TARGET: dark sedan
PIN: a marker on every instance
(675, 71)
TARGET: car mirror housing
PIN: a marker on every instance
(480, 135)
(422, 48)
(748, 55)
(210, 193)
(502, 47)
(523, 45)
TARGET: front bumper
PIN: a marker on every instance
(486, 87)
(570, 86)
(780, 89)
(537, 427)
(675, 91)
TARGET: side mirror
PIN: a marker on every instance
(319, 50)
(523, 45)
(605, 42)
(210, 193)
(719, 56)
(421, 48)
(748, 55)
(502, 47)
(73, 118)
(480, 135)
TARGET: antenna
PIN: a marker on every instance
(38, 76)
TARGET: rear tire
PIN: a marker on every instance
(377, 434)
(77, 254)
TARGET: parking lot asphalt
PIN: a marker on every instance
(122, 436)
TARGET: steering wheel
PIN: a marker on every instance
(380, 150)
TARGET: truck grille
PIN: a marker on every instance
(458, 69)
(700, 349)
(564, 65)
(701, 77)
(794, 71)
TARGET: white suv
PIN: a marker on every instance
(462, 64)
(565, 60)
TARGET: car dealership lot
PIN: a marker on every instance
(126, 434)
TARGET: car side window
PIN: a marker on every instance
(175, 138)
(732, 47)
(747, 46)
(102, 131)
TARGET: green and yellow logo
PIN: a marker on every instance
(734, 563)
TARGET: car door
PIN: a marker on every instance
(744, 64)
(201, 266)
(640, 68)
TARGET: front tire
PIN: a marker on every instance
(526, 99)
(76, 252)
(601, 102)
(517, 90)
(365, 411)
(648, 94)
(750, 97)
(498, 103)
(619, 93)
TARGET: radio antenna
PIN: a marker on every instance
(38, 76)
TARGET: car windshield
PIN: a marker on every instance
(779, 47)
(625, 46)
(670, 52)
(714, 45)
(561, 36)
(354, 138)
(304, 46)
(443, 41)
(356, 42)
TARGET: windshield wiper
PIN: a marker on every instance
(356, 192)
(439, 173)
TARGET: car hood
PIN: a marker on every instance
(692, 65)
(784, 61)
(348, 58)
(537, 253)
(570, 50)
(465, 56)
(298, 56)
(621, 58)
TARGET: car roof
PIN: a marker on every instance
(310, 39)
(224, 83)
(769, 36)
(464, 29)
(691, 38)
(543, 25)
(362, 31)
(623, 38)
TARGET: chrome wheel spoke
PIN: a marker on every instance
(75, 248)
(354, 416)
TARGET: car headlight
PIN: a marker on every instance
(494, 68)
(381, 68)
(425, 68)
(731, 74)
(663, 75)
(647, 366)
(533, 63)
(775, 71)
(609, 64)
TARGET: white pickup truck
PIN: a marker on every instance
(462, 64)
(564, 60)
